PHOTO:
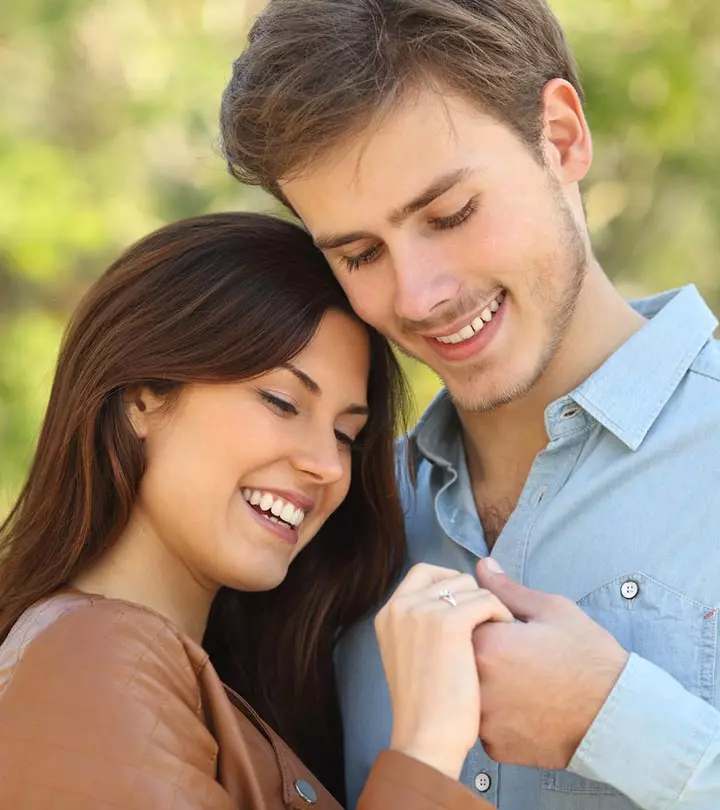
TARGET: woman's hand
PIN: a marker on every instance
(427, 651)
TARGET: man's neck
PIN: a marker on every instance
(502, 444)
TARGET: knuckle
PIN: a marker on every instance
(468, 581)
(418, 568)
(558, 603)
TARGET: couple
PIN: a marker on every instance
(224, 400)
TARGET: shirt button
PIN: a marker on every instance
(629, 589)
(305, 791)
(483, 782)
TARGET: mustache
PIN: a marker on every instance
(462, 306)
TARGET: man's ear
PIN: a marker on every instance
(141, 404)
(567, 139)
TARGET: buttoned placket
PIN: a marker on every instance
(568, 427)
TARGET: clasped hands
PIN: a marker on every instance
(530, 688)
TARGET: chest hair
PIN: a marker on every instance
(493, 517)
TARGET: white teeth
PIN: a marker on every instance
(288, 513)
(472, 329)
(280, 511)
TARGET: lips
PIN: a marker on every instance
(471, 329)
(454, 347)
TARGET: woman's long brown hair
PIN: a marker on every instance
(217, 298)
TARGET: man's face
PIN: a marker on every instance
(451, 238)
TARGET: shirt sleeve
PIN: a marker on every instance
(101, 711)
(655, 742)
(397, 781)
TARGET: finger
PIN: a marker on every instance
(525, 603)
(476, 608)
(422, 575)
(454, 585)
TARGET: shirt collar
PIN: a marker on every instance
(626, 394)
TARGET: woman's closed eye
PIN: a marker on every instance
(279, 404)
(288, 409)
(346, 440)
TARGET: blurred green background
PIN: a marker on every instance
(108, 124)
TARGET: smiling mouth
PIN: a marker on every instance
(470, 330)
(274, 509)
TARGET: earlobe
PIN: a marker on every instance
(568, 142)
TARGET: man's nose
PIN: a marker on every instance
(422, 283)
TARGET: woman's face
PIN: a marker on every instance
(241, 476)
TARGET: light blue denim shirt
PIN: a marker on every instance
(620, 513)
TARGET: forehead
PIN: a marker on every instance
(338, 356)
(425, 136)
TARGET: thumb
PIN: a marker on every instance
(524, 603)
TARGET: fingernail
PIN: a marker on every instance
(493, 565)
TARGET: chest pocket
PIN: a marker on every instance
(665, 627)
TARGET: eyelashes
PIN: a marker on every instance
(288, 409)
(439, 224)
(367, 257)
(279, 404)
(456, 219)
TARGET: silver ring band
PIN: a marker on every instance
(446, 596)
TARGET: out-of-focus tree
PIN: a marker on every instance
(107, 129)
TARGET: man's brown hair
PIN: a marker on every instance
(316, 71)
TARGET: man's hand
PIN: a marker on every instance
(543, 679)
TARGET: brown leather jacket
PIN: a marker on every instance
(105, 705)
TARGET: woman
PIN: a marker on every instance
(217, 406)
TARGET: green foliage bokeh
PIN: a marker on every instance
(109, 118)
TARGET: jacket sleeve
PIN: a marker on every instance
(397, 781)
(101, 711)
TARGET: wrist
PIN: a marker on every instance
(599, 686)
(447, 762)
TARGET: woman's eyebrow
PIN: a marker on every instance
(315, 390)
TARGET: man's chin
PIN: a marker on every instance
(488, 395)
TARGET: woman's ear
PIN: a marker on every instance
(140, 406)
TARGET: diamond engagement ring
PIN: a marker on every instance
(445, 595)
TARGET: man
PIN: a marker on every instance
(435, 149)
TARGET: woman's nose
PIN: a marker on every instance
(321, 457)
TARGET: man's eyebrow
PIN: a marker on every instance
(399, 215)
(437, 188)
(330, 242)
(314, 388)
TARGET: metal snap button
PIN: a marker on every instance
(483, 782)
(305, 791)
(629, 589)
